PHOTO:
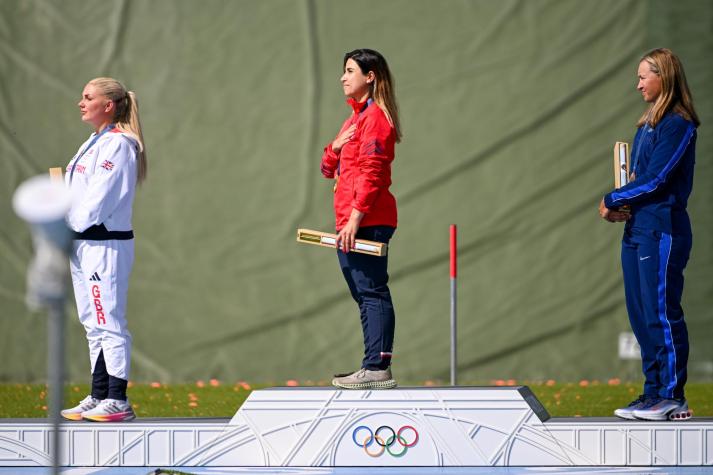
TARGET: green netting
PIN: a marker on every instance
(510, 110)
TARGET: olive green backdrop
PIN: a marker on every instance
(509, 109)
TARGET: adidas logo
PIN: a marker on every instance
(95, 277)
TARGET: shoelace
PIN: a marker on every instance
(89, 400)
(640, 399)
(650, 402)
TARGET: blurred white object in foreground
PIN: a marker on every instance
(44, 205)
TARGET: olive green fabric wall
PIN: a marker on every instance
(509, 109)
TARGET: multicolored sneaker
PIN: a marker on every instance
(628, 411)
(75, 413)
(366, 379)
(664, 409)
(110, 410)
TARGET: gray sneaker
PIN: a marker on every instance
(663, 410)
(366, 379)
(341, 375)
(628, 411)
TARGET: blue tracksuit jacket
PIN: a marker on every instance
(663, 159)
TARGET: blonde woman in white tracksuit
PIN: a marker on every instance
(102, 178)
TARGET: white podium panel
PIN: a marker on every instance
(144, 442)
(326, 427)
(409, 426)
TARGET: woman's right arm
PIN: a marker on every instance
(330, 157)
(674, 139)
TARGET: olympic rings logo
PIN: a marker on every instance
(401, 437)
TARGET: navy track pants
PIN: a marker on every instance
(367, 278)
(653, 264)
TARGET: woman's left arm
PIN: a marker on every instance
(376, 152)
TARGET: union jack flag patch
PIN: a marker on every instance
(107, 165)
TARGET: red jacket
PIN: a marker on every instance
(363, 167)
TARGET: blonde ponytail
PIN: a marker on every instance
(131, 125)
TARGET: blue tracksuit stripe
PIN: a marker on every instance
(661, 177)
(664, 256)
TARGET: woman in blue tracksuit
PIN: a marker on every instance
(657, 236)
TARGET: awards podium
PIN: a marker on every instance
(406, 427)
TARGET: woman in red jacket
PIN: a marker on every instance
(359, 159)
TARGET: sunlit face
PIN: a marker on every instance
(649, 82)
(355, 83)
(96, 109)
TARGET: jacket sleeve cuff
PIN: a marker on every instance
(360, 207)
(608, 201)
(76, 224)
(329, 162)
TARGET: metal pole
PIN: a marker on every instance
(454, 272)
(55, 355)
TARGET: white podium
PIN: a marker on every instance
(326, 427)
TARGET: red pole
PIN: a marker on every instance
(454, 252)
(454, 273)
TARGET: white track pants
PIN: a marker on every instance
(100, 275)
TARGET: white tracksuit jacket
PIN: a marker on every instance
(103, 186)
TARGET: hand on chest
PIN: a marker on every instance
(350, 150)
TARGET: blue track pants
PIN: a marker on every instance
(367, 279)
(653, 264)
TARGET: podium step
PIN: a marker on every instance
(405, 427)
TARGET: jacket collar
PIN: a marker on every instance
(359, 107)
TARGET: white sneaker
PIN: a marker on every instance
(75, 413)
(110, 410)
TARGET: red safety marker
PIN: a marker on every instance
(454, 273)
(454, 252)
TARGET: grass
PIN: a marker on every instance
(587, 399)
(148, 400)
(215, 399)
